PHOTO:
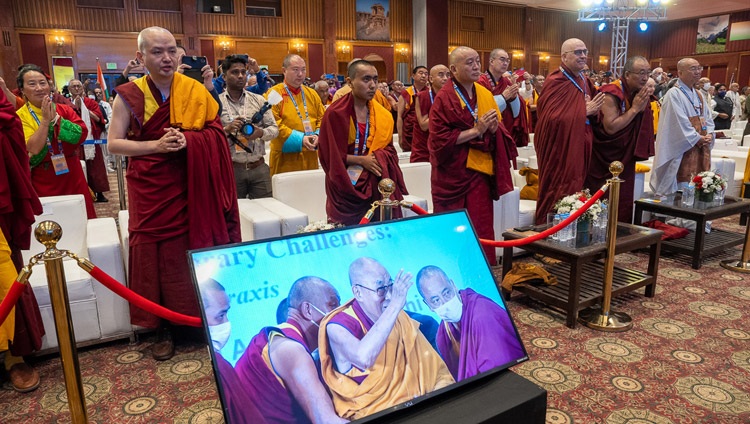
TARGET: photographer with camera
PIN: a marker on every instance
(248, 123)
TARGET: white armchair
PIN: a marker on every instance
(98, 314)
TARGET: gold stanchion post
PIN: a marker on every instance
(602, 318)
(49, 233)
(386, 187)
(743, 264)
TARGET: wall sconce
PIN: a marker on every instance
(603, 60)
(544, 57)
(224, 45)
(403, 51)
(345, 48)
(299, 47)
(517, 55)
(59, 41)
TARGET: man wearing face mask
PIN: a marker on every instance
(239, 407)
(706, 90)
(661, 82)
(277, 369)
(372, 355)
(723, 107)
(475, 333)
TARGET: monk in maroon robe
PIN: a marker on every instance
(439, 74)
(469, 150)
(476, 334)
(406, 119)
(18, 205)
(277, 370)
(563, 133)
(518, 126)
(356, 150)
(624, 132)
(181, 187)
(95, 120)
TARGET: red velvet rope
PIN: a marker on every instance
(141, 302)
(364, 220)
(535, 237)
(10, 300)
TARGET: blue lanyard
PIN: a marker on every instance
(582, 90)
(698, 109)
(624, 96)
(304, 102)
(432, 97)
(475, 112)
(49, 144)
(367, 134)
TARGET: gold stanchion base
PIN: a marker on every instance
(613, 322)
(736, 265)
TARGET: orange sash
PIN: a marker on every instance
(478, 160)
(380, 119)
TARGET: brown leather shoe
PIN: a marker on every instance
(163, 349)
(23, 377)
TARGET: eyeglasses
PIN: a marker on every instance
(380, 291)
(695, 69)
(579, 52)
(503, 59)
(643, 72)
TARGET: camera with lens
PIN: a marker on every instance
(248, 126)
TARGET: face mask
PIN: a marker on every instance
(722, 94)
(92, 97)
(706, 86)
(220, 334)
(451, 310)
(658, 78)
(317, 324)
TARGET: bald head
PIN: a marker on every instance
(689, 71)
(465, 65)
(429, 277)
(574, 54)
(361, 268)
(146, 35)
(215, 301)
(439, 74)
(309, 289)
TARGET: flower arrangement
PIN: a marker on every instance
(317, 226)
(573, 202)
(709, 182)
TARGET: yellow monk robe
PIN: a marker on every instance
(8, 276)
(287, 153)
(379, 96)
(407, 367)
(655, 109)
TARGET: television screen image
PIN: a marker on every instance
(351, 323)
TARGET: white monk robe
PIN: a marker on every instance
(676, 136)
(736, 106)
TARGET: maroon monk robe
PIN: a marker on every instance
(454, 186)
(409, 117)
(262, 384)
(239, 407)
(46, 183)
(96, 169)
(419, 150)
(518, 127)
(485, 338)
(623, 146)
(178, 201)
(347, 203)
(18, 205)
(563, 139)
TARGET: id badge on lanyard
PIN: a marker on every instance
(308, 127)
(61, 166)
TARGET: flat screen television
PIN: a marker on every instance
(316, 323)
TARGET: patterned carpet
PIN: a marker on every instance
(686, 360)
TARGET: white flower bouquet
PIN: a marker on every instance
(573, 202)
(709, 182)
(317, 226)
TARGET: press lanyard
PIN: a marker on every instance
(699, 108)
(432, 97)
(357, 147)
(294, 102)
(49, 144)
(475, 112)
(582, 90)
(624, 96)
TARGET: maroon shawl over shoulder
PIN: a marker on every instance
(419, 150)
(486, 338)
(627, 146)
(563, 139)
(18, 205)
(347, 203)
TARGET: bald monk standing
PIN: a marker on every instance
(564, 136)
(423, 101)
(469, 148)
(170, 186)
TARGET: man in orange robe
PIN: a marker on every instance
(181, 187)
(356, 149)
